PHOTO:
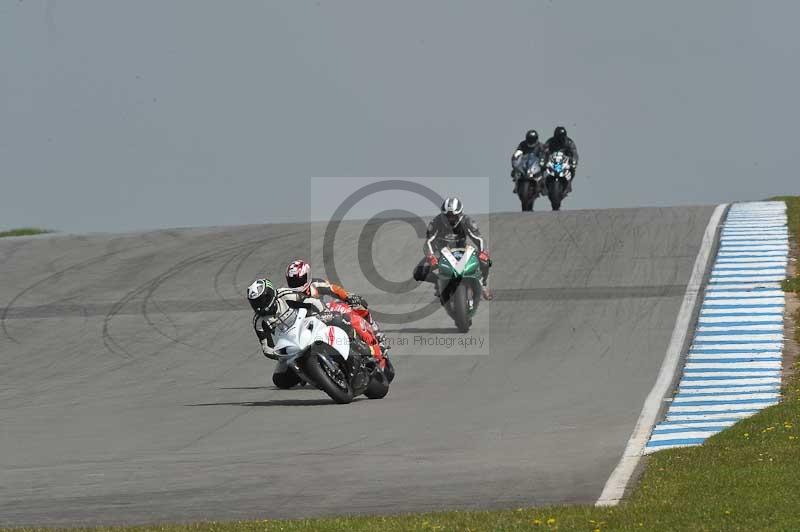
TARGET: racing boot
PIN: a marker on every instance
(486, 292)
(389, 370)
(388, 367)
(283, 377)
(382, 343)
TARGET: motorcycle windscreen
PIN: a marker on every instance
(530, 164)
(458, 259)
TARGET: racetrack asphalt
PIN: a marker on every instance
(132, 388)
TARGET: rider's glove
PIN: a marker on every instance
(326, 316)
(433, 260)
(484, 256)
(268, 351)
(356, 301)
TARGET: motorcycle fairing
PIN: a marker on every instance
(458, 264)
(305, 331)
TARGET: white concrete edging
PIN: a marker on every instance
(614, 488)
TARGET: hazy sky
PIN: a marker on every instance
(143, 114)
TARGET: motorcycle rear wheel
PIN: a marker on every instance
(378, 385)
(326, 378)
(389, 370)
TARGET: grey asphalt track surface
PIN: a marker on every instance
(132, 388)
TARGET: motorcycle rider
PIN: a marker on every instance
(560, 141)
(298, 279)
(530, 144)
(277, 308)
(452, 221)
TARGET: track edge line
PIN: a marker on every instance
(617, 482)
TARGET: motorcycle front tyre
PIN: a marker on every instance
(525, 195)
(313, 368)
(461, 307)
(556, 194)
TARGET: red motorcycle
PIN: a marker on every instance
(360, 320)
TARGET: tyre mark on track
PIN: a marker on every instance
(111, 344)
(208, 433)
(217, 276)
(247, 256)
(156, 283)
(55, 275)
(170, 274)
(242, 256)
(190, 306)
(151, 286)
(166, 315)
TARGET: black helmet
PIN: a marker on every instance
(531, 137)
(560, 133)
(262, 297)
(454, 210)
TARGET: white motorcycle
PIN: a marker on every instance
(325, 357)
(559, 171)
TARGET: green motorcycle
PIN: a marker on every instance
(459, 283)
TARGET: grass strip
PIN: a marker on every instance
(24, 231)
(793, 283)
(743, 479)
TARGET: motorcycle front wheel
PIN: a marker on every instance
(555, 192)
(328, 375)
(461, 306)
(525, 193)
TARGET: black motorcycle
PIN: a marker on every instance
(528, 177)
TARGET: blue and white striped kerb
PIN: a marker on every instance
(733, 369)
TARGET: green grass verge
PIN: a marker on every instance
(24, 231)
(793, 284)
(746, 478)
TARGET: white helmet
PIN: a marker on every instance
(453, 209)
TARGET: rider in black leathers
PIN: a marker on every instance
(560, 141)
(530, 144)
(452, 222)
